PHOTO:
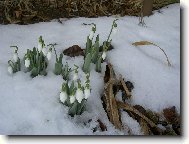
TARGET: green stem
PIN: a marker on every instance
(56, 55)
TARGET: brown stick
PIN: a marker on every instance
(109, 98)
(125, 87)
(132, 109)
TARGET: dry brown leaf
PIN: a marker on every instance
(73, 51)
(144, 127)
(128, 94)
(141, 43)
(109, 97)
(130, 108)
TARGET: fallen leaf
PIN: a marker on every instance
(142, 43)
(73, 51)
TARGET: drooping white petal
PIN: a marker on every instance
(75, 76)
(10, 70)
(39, 47)
(49, 55)
(63, 96)
(72, 99)
(44, 50)
(79, 95)
(27, 62)
(15, 57)
(87, 93)
(114, 30)
(91, 35)
(103, 55)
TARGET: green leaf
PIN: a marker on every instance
(98, 64)
(81, 107)
(87, 63)
(34, 72)
(73, 109)
(88, 46)
(58, 68)
(95, 52)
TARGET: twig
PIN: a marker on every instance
(125, 87)
(128, 107)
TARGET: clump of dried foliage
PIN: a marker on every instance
(167, 122)
(31, 11)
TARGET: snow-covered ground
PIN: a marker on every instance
(31, 106)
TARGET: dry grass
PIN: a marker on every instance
(29, 11)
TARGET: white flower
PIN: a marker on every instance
(27, 62)
(44, 50)
(91, 35)
(114, 31)
(15, 57)
(72, 99)
(63, 96)
(75, 76)
(79, 95)
(49, 54)
(39, 47)
(103, 55)
(87, 93)
(10, 70)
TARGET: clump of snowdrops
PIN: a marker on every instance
(75, 95)
(92, 53)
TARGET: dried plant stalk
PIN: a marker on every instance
(140, 43)
(125, 87)
(51, 9)
(128, 107)
(109, 97)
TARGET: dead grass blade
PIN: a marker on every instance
(142, 43)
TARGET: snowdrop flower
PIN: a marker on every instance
(10, 70)
(75, 76)
(63, 96)
(49, 55)
(91, 35)
(72, 99)
(39, 47)
(87, 93)
(114, 30)
(15, 57)
(79, 92)
(103, 55)
(44, 50)
(27, 62)
(79, 95)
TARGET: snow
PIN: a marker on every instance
(31, 106)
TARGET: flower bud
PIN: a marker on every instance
(10, 70)
(75, 76)
(79, 95)
(27, 62)
(87, 93)
(72, 99)
(114, 30)
(44, 50)
(39, 47)
(49, 54)
(15, 57)
(91, 35)
(103, 55)
(63, 96)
